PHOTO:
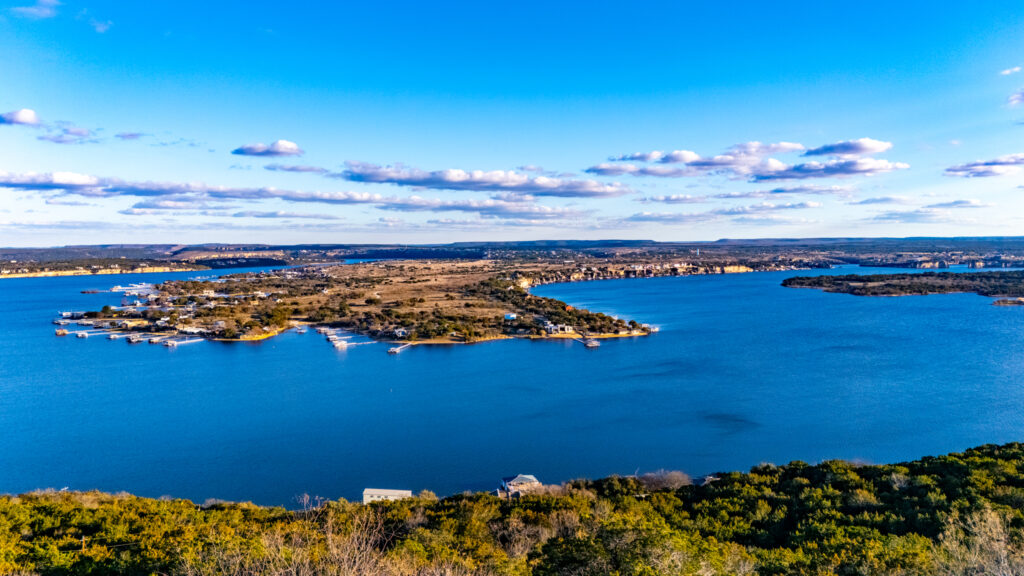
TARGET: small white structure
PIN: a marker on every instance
(520, 484)
(401, 332)
(379, 494)
(510, 316)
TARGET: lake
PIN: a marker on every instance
(742, 371)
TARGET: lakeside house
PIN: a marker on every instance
(518, 485)
(380, 494)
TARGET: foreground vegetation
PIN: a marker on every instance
(954, 514)
(1010, 284)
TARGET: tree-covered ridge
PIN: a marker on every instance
(1009, 284)
(954, 514)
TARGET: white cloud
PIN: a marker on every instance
(674, 199)
(42, 9)
(1016, 98)
(479, 180)
(882, 200)
(24, 116)
(100, 26)
(1009, 164)
(1009, 71)
(833, 168)
(295, 168)
(918, 216)
(972, 203)
(279, 214)
(750, 160)
(195, 196)
(276, 148)
(858, 147)
(69, 134)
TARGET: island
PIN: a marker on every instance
(1008, 285)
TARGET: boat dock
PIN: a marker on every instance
(174, 343)
(397, 349)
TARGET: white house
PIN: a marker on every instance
(379, 494)
(520, 483)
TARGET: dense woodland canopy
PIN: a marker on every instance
(954, 514)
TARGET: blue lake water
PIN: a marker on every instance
(743, 371)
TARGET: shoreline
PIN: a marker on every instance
(102, 272)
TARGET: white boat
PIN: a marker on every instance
(591, 343)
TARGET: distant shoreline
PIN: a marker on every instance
(101, 272)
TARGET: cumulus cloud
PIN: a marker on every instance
(193, 196)
(882, 200)
(751, 160)
(858, 147)
(68, 134)
(918, 216)
(764, 207)
(674, 199)
(479, 180)
(833, 168)
(279, 214)
(653, 156)
(670, 217)
(972, 203)
(1009, 71)
(756, 210)
(295, 168)
(24, 117)
(1016, 98)
(771, 220)
(1000, 166)
(42, 9)
(276, 148)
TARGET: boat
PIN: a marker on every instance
(300, 330)
(136, 338)
(591, 343)
(394, 350)
(61, 332)
(340, 344)
(171, 343)
(82, 334)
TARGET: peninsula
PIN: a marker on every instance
(1008, 285)
(414, 301)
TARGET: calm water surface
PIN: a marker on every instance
(742, 372)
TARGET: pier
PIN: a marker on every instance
(398, 349)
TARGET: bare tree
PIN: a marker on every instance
(977, 544)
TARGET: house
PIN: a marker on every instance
(379, 494)
(511, 316)
(520, 484)
(401, 333)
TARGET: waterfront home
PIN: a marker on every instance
(379, 494)
(520, 484)
(401, 333)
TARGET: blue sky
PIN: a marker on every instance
(434, 122)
